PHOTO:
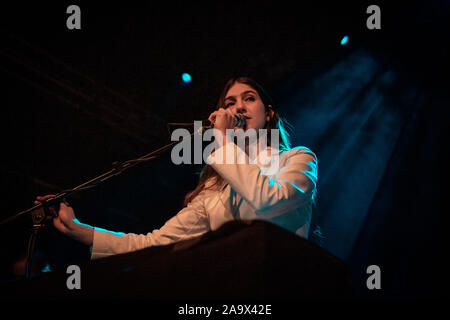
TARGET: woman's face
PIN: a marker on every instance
(242, 98)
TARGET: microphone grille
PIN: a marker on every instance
(240, 120)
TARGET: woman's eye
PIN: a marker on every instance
(250, 98)
(229, 104)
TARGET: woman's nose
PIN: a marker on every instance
(239, 107)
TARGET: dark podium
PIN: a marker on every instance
(242, 260)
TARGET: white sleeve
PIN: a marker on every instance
(291, 186)
(190, 222)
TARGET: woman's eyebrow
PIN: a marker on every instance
(242, 94)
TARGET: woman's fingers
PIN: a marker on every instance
(212, 117)
(231, 117)
(223, 117)
(44, 198)
(40, 199)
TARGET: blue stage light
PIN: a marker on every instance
(344, 40)
(186, 77)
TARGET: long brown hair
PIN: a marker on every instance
(275, 122)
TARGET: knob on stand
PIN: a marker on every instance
(39, 217)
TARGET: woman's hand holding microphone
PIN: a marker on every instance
(222, 119)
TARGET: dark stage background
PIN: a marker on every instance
(374, 110)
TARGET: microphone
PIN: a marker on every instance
(239, 120)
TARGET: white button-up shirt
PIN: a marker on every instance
(282, 194)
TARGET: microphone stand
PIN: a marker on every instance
(47, 209)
